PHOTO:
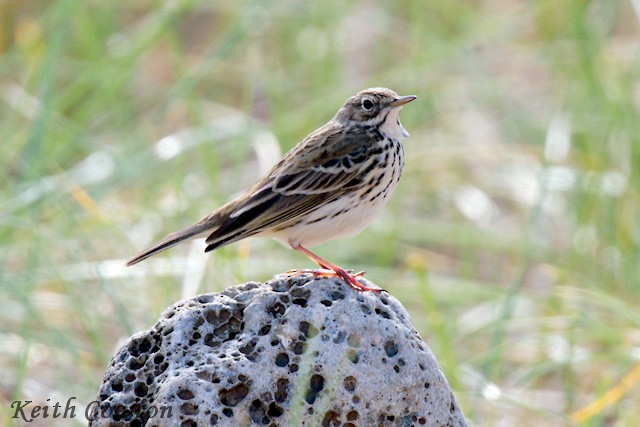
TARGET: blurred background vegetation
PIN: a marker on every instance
(513, 238)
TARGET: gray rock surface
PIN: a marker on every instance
(295, 351)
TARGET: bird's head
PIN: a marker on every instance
(371, 106)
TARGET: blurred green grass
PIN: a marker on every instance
(513, 238)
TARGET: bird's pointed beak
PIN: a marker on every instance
(402, 100)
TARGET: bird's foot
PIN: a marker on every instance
(324, 272)
(333, 270)
(353, 282)
(347, 275)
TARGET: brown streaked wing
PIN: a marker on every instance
(294, 187)
(312, 174)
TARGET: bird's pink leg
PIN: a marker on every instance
(337, 271)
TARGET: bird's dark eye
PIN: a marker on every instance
(367, 104)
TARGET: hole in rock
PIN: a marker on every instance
(282, 359)
(281, 390)
(308, 329)
(188, 409)
(274, 410)
(331, 419)
(383, 313)
(258, 413)
(315, 386)
(265, 330)
(390, 348)
(140, 389)
(276, 309)
(233, 395)
(350, 383)
(185, 394)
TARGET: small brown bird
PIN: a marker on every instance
(330, 185)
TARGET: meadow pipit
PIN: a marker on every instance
(330, 185)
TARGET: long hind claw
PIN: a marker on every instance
(322, 272)
(347, 275)
(353, 282)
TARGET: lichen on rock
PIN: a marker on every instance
(298, 350)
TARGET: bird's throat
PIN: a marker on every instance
(391, 126)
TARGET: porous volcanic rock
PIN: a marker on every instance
(294, 351)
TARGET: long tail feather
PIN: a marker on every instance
(170, 241)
